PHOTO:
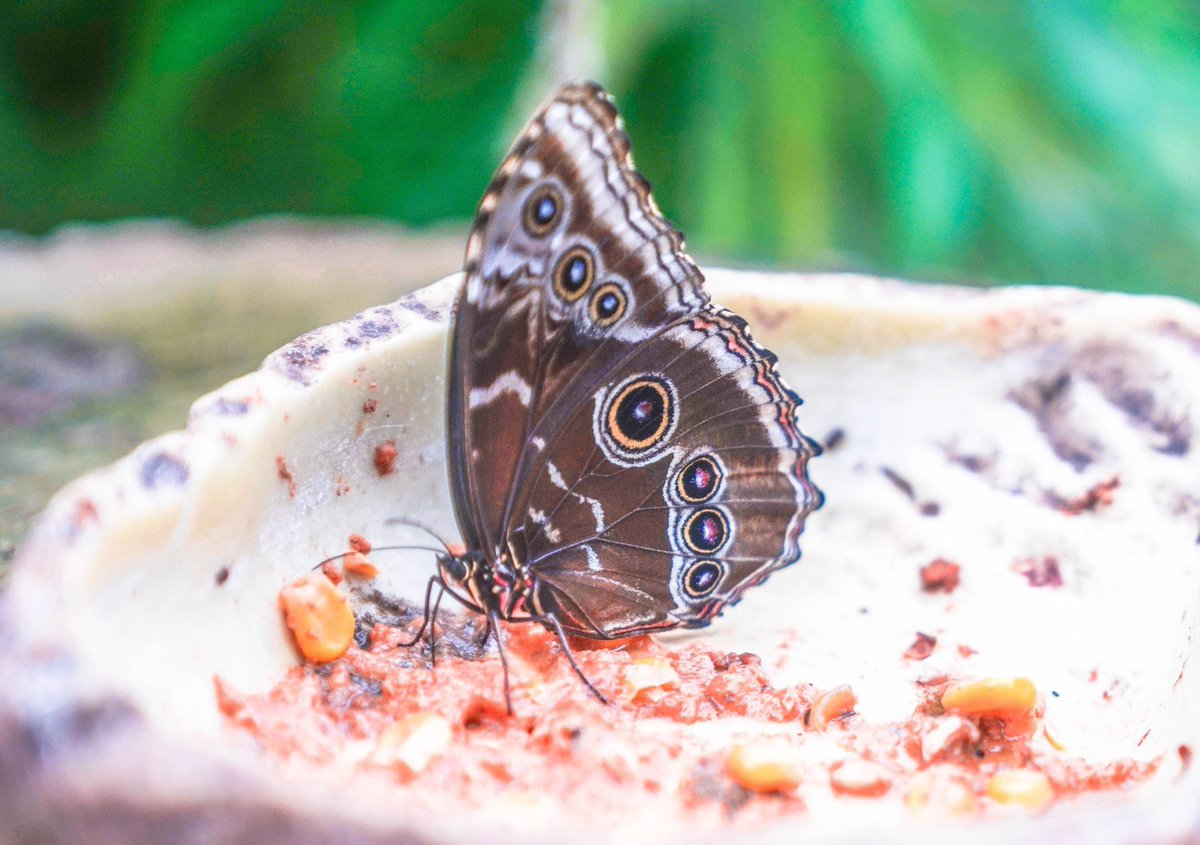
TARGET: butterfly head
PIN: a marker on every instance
(469, 577)
(457, 567)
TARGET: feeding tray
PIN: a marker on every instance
(1011, 486)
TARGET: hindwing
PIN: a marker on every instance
(680, 484)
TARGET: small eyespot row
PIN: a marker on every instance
(699, 480)
(608, 304)
(573, 274)
(702, 578)
(542, 211)
(706, 531)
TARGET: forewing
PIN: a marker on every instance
(569, 267)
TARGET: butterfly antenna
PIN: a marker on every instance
(341, 555)
(421, 526)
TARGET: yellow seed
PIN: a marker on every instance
(517, 801)
(413, 742)
(830, 705)
(860, 777)
(1027, 788)
(1052, 737)
(650, 673)
(934, 793)
(764, 766)
(991, 695)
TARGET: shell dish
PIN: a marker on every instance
(970, 421)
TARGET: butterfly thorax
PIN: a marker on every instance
(489, 586)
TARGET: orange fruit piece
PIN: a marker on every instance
(319, 617)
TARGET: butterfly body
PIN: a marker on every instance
(623, 457)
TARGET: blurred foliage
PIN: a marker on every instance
(1024, 141)
(213, 110)
(1037, 141)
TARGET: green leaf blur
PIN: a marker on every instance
(215, 110)
(1046, 142)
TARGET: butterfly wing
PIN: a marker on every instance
(679, 484)
(625, 446)
(569, 267)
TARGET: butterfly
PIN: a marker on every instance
(623, 457)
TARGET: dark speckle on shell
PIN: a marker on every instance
(416, 306)
(230, 407)
(162, 469)
(1049, 399)
(376, 323)
(301, 356)
(1130, 382)
(372, 329)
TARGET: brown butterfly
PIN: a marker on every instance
(624, 458)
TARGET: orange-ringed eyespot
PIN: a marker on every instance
(542, 211)
(641, 414)
(702, 578)
(698, 481)
(573, 273)
(706, 531)
(608, 304)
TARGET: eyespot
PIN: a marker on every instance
(543, 210)
(698, 481)
(574, 273)
(607, 304)
(642, 414)
(706, 531)
(701, 578)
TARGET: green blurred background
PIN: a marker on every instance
(1039, 141)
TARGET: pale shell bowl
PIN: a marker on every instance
(966, 419)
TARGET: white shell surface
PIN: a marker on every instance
(994, 407)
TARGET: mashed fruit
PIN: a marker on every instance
(703, 735)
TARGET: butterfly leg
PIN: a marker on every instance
(437, 603)
(430, 616)
(493, 626)
(552, 623)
